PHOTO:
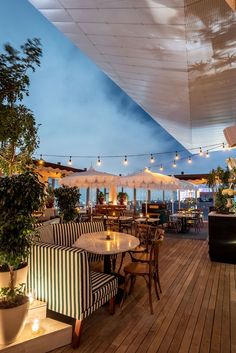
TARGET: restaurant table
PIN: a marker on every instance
(183, 216)
(148, 220)
(98, 243)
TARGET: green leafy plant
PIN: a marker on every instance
(67, 199)
(20, 196)
(18, 132)
(220, 179)
(101, 194)
(122, 195)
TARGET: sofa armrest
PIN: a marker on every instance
(61, 277)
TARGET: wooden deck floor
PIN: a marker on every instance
(196, 313)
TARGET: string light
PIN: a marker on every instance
(70, 161)
(174, 165)
(41, 161)
(189, 160)
(200, 152)
(152, 160)
(207, 154)
(125, 160)
(161, 168)
(98, 161)
(176, 156)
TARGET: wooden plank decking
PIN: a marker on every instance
(196, 313)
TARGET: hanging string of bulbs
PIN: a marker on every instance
(153, 157)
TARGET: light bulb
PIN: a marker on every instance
(98, 161)
(125, 161)
(70, 161)
(174, 164)
(176, 156)
(152, 160)
(41, 161)
(200, 152)
(223, 147)
(207, 154)
(189, 160)
(161, 168)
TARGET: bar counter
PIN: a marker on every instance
(222, 237)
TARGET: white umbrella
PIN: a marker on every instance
(150, 180)
(90, 178)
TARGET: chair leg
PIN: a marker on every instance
(150, 294)
(155, 286)
(77, 333)
(126, 283)
(112, 306)
(121, 261)
(158, 280)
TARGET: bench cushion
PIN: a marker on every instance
(102, 284)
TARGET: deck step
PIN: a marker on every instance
(52, 334)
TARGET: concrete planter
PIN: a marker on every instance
(12, 322)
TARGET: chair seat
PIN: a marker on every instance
(137, 268)
(102, 284)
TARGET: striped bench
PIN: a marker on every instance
(61, 276)
(65, 234)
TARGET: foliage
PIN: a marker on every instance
(122, 195)
(49, 199)
(18, 137)
(18, 132)
(20, 195)
(10, 298)
(220, 179)
(14, 66)
(100, 194)
(67, 198)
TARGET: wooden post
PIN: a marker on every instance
(87, 196)
(135, 201)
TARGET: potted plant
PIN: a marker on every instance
(67, 199)
(20, 196)
(101, 197)
(222, 183)
(122, 197)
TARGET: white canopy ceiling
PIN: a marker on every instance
(175, 58)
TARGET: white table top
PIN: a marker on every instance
(147, 219)
(182, 215)
(97, 243)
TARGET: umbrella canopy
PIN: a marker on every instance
(186, 185)
(149, 180)
(90, 178)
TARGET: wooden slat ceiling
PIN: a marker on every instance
(175, 58)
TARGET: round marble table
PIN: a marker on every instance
(99, 243)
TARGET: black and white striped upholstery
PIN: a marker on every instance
(65, 234)
(61, 277)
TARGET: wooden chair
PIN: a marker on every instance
(149, 270)
(142, 232)
(194, 222)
